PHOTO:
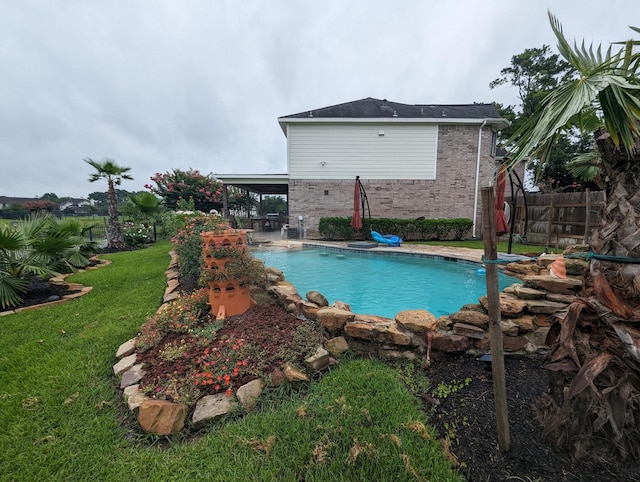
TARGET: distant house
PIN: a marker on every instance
(413, 160)
(77, 205)
(6, 201)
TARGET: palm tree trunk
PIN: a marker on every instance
(115, 240)
(593, 407)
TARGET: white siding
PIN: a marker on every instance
(343, 151)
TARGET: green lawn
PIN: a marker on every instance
(59, 411)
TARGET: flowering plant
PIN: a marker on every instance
(137, 234)
(219, 366)
(180, 316)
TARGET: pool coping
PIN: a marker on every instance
(446, 253)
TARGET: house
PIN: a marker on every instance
(6, 201)
(412, 160)
(76, 205)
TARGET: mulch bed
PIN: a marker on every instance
(469, 414)
(40, 291)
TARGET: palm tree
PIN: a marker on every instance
(114, 174)
(144, 205)
(594, 402)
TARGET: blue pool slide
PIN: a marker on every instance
(389, 239)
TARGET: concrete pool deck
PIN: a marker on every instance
(273, 239)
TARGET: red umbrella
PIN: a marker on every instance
(502, 226)
(356, 220)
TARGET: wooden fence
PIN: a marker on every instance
(557, 219)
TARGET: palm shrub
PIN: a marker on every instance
(42, 246)
(594, 403)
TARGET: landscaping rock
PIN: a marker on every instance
(545, 307)
(292, 374)
(525, 293)
(475, 318)
(249, 393)
(361, 330)
(132, 376)
(336, 346)
(566, 286)
(417, 321)
(509, 328)
(523, 268)
(133, 396)
(576, 267)
(525, 323)
(472, 307)
(390, 332)
(162, 417)
(308, 309)
(510, 306)
(318, 361)
(470, 331)
(124, 364)
(450, 343)
(317, 298)
(127, 348)
(277, 377)
(334, 319)
(341, 305)
(211, 407)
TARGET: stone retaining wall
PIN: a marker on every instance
(413, 334)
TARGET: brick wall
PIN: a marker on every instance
(451, 195)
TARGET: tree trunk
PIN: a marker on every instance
(115, 240)
(593, 406)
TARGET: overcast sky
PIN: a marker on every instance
(163, 84)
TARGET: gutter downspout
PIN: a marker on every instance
(475, 197)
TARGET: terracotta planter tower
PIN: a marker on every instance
(228, 297)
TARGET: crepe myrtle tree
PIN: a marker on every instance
(593, 407)
(114, 174)
(204, 190)
(177, 185)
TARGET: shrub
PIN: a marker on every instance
(185, 229)
(338, 228)
(136, 235)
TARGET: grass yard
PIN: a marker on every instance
(59, 411)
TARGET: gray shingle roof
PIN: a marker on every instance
(377, 108)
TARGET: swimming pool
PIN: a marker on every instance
(382, 285)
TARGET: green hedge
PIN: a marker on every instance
(339, 228)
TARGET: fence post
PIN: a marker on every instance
(551, 219)
(587, 217)
(90, 233)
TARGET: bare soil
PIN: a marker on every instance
(468, 414)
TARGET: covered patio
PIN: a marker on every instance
(262, 185)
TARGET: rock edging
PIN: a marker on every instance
(168, 418)
(60, 280)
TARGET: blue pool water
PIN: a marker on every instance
(382, 284)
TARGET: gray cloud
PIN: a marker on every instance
(164, 84)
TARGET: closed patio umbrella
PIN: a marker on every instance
(502, 226)
(356, 219)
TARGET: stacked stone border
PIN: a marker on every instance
(412, 334)
(77, 289)
(525, 310)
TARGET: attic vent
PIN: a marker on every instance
(395, 114)
(444, 114)
(310, 114)
(422, 110)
